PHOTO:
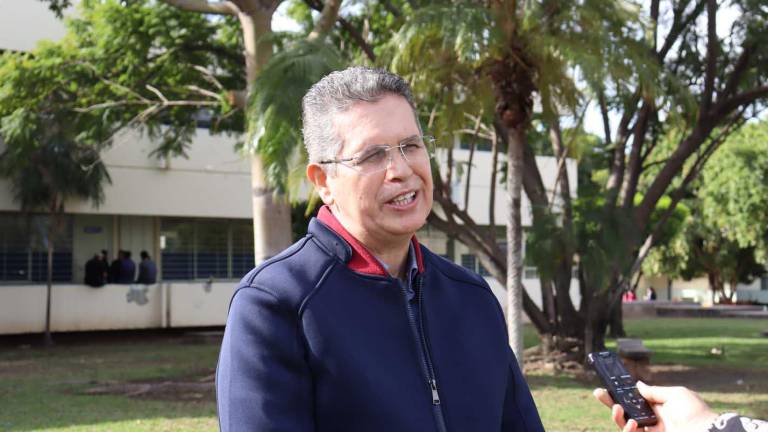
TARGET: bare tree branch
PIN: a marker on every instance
(328, 17)
(604, 114)
(712, 52)
(745, 98)
(679, 24)
(349, 28)
(632, 177)
(204, 6)
(472, 147)
(738, 71)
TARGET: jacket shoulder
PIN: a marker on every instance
(292, 274)
(451, 269)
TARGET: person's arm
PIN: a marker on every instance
(679, 410)
(262, 379)
(520, 413)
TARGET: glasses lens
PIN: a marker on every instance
(377, 158)
(373, 159)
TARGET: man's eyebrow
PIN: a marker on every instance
(410, 138)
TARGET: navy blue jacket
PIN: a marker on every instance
(314, 345)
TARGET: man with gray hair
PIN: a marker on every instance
(358, 327)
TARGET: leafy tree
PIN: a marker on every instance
(48, 164)
(726, 238)
(682, 80)
(155, 65)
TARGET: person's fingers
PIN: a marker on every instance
(603, 396)
(654, 394)
(617, 413)
(631, 426)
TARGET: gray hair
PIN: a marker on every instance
(335, 94)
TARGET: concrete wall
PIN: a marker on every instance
(79, 307)
(214, 181)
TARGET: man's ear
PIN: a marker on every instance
(319, 178)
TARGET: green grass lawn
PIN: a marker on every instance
(43, 389)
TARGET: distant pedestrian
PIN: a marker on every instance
(651, 294)
(629, 296)
(94, 271)
(147, 270)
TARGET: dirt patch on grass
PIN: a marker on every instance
(719, 379)
(712, 378)
(196, 387)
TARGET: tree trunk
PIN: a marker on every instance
(271, 216)
(514, 242)
(48, 339)
(271, 212)
(616, 320)
(596, 323)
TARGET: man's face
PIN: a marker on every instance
(390, 204)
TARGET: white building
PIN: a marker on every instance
(193, 216)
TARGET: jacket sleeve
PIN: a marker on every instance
(731, 422)
(262, 379)
(520, 413)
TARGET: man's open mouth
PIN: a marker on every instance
(404, 199)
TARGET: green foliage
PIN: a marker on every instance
(726, 234)
(142, 64)
(599, 234)
(439, 49)
(46, 165)
(275, 106)
(734, 191)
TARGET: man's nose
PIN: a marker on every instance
(398, 165)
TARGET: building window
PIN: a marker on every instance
(206, 249)
(764, 283)
(469, 261)
(242, 248)
(212, 250)
(24, 249)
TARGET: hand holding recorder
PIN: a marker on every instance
(677, 409)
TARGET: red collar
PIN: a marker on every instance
(362, 260)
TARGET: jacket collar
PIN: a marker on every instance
(354, 253)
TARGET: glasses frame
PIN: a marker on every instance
(428, 142)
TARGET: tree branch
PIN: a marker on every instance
(204, 6)
(711, 61)
(349, 28)
(629, 187)
(604, 115)
(328, 17)
(471, 159)
(738, 70)
(679, 24)
(744, 98)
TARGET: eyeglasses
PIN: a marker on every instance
(378, 157)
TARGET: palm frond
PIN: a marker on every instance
(274, 107)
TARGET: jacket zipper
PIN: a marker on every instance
(428, 368)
